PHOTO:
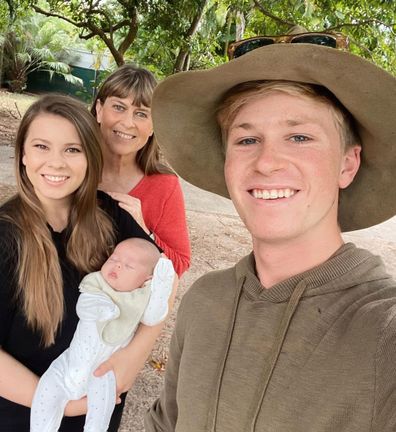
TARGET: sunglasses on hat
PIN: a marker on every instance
(332, 40)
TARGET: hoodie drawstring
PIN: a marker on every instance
(272, 358)
(212, 416)
(276, 349)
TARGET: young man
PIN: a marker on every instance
(300, 336)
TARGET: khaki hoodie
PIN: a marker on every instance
(314, 353)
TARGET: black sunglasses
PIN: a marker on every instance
(332, 40)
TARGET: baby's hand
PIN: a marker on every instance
(161, 289)
(164, 273)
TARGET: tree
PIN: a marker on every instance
(182, 62)
(115, 22)
(172, 35)
(370, 24)
(179, 35)
(8, 12)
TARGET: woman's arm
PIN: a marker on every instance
(17, 382)
(170, 229)
(127, 362)
(158, 206)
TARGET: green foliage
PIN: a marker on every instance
(370, 24)
(160, 34)
(31, 44)
(4, 17)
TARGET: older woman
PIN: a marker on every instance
(133, 173)
(134, 176)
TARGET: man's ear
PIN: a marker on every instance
(349, 166)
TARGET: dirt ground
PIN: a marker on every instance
(8, 125)
(218, 240)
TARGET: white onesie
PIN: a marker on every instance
(108, 320)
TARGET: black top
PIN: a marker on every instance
(20, 341)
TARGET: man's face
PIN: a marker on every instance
(284, 167)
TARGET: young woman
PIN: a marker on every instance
(53, 231)
(132, 172)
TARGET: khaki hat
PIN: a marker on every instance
(184, 107)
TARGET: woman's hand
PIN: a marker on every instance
(127, 362)
(124, 371)
(76, 407)
(132, 205)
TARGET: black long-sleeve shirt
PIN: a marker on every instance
(20, 341)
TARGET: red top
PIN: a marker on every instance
(164, 214)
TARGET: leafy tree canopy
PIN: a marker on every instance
(171, 35)
(370, 24)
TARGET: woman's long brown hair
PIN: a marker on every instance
(90, 231)
(126, 81)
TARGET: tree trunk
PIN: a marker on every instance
(184, 51)
(180, 61)
(118, 57)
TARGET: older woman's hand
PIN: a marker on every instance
(132, 206)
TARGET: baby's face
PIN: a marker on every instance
(125, 270)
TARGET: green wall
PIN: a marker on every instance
(40, 82)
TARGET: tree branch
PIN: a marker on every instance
(270, 15)
(182, 61)
(53, 14)
(132, 32)
(107, 29)
(361, 23)
(105, 32)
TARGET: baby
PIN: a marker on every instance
(112, 303)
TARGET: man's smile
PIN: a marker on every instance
(271, 194)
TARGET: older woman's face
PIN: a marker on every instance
(125, 127)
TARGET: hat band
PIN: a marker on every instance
(332, 40)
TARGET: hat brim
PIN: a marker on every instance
(184, 115)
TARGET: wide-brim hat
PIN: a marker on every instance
(184, 115)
